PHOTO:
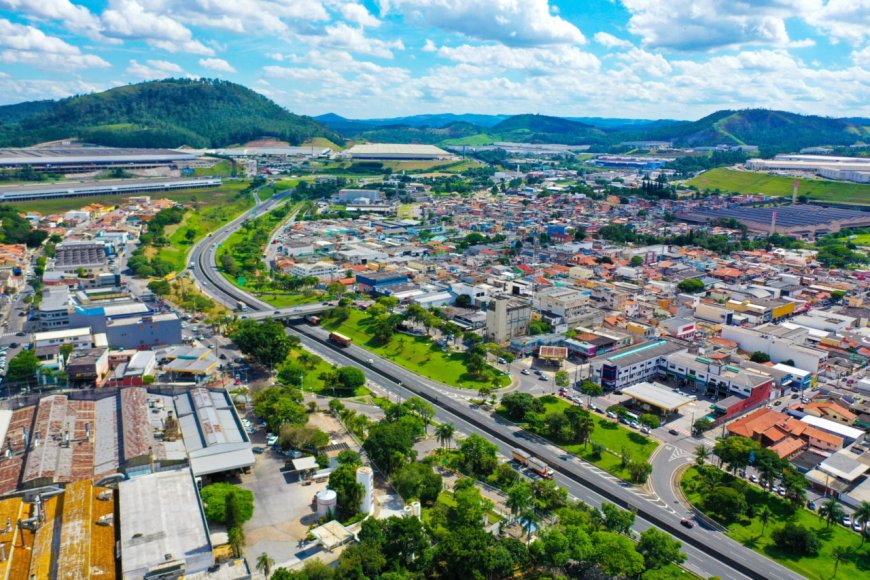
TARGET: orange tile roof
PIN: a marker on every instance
(787, 446)
(833, 408)
(756, 422)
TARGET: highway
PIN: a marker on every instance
(709, 552)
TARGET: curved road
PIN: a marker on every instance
(709, 552)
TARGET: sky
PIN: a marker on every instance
(649, 59)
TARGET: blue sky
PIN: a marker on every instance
(379, 58)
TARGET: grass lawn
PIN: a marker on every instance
(209, 213)
(729, 180)
(311, 382)
(608, 433)
(212, 196)
(861, 240)
(446, 498)
(222, 168)
(418, 354)
(748, 531)
(287, 300)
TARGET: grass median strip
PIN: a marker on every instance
(418, 354)
(752, 532)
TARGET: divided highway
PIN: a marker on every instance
(709, 552)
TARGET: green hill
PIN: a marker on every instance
(544, 129)
(773, 130)
(748, 182)
(168, 113)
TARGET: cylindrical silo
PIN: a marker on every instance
(326, 502)
(365, 477)
(416, 509)
(408, 512)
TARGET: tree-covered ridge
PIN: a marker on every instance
(168, 113)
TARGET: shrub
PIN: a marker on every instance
(214, 498)
(796, 539)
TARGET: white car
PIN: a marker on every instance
(847, 521)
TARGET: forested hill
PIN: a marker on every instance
(168, 113)
(765, 128)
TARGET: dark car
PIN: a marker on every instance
(223, 356)
(687, 523)
(20, 334)
(673, 432)
(13, 345)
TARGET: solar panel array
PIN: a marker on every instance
(786, 216)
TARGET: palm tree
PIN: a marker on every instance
(444, 432)
(528, 519)
(521, 498)
(862, 517)
(265, 563)
(763, 514)
(839, 553)
(701, 454)
(832, 511)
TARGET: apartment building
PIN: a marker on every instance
(507, 318)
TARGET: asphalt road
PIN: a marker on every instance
(699, 560)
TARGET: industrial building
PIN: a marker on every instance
(634, 364)
(806, 221)
(82, 159)
(31, 192)
(163, 528)
(845, 168)
(396, 152)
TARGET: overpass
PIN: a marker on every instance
(709, 551)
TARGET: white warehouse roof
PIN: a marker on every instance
(369, 149)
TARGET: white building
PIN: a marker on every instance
(779, 348)
(567, 303)
(325, 271)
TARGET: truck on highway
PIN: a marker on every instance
(241, 306)
(313, 320)
(339, 339)
(533, 463)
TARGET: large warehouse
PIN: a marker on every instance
(396, 151)
(793, 220)
(103, 187)
(80, 159)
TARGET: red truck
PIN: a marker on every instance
(339, 339)
(533, 463)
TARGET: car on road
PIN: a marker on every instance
(685, 522)
(811, 505)
(644, 429)
(223, 356)
(20, 334)
(847, 521)
(525, 372)
(543, 377)
(753, 478)
(611, 414)
(258, 449)
(673, 432)
(277, 312)
(13, 345)
(634, 424)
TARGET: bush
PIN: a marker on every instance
(416, 480)
(796, 539)
(214, 498)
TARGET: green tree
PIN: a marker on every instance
(444, 432)
(214, 499)
(861, 516)
(159, 287)
(389, 445)
(266, 341)
(22, 369)
(702, 453)
(796, 539)
(726, 502)
(636, 261)
(190, 235)
(520, 498)
(735, 452)
(659, 549)
(561, 378)
(264, 564)
(615, 555)
(832, 511)
(839, 553)
(649, 420)
(591, 389)
(763, 514)
(702, 424)
(478, 455)
(518, 405)
(236, 539)
(418, 480)
(348, 492)
(759, 357)
(615, 519)
(691, 286)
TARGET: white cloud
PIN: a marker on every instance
(76, 18)
(610, 41)
(555, 60)
(23, 44)
(645, 63)
(861, 58)
(342, 36)
(130, 19)
(153, 69)
(216, 64)
(512, 22)
(359, 14)
(709, 24)
(847, 20)
(429, 46)
(18, 90)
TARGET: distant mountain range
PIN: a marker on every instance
(168, 113)
(772, 130)
(213, 113)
